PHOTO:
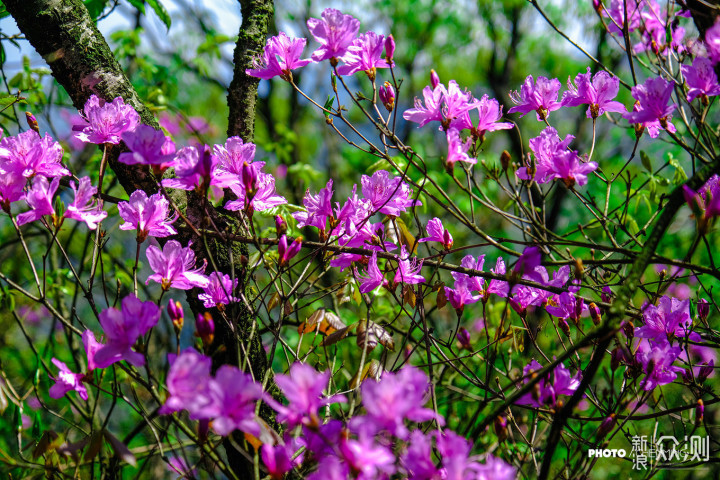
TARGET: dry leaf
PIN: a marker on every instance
(371, 370)
(369, 334)
(274, 301)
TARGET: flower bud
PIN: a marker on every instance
(564, 326)
(205, 328)
(699, 411)
(705, 371)
(505, 159)
(287, 252)
(628, 329)
(500, 427)
(447, 239)
(595, 313)
(597, 5)
(248, 176)
(434, 79)
(389, 48)
(617, 356)
(463, 337)
(703, 309)
(606, 295)
(280, 225)
(32, 122)
(387, 96)
(175, 311)
(607, 425)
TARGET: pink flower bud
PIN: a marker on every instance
(205, 327)
(387, 96)
(699, 411)
(280, 225)
(463, 337)
(595, 314)
(447, 240)
(287, 252)
(389, 48)
(32, 122)
(607, 425)
(705, 371)
(500, 427)
(703, 308)
(249, 180)
(434, 79)
(175, 311)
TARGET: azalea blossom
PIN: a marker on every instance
(428, 111)
(365, 54)
(187, 382)
(652, 98)
(701, 79)
(318, 208)
(540, 96)
(219, 290)
(234, 394)
(174, 266)
(193, 169)
(598, 92)
(28, 154)
(265, 196)
(147, 215)
(387, 195)
(408, 271)
(374, 278)
(106, 121)
(457, 149)
(335, 34)
(84, 208)
(657, 363)
(147, 147)
(280, 56)
(67, 381)
(558, 382)
(489, 115)
(669, 319)
(438, 233)
(40, 200)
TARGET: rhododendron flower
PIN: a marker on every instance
(193, 168)
(230, 158)
(28, 154)
(386, 93)
(669, 319)
(653, 97)
(187, 382)
(374, 278)
(265, 195)
(408, 271)
(146, 147)
(367, 457)
(365, 54)
(712, 42)
(390, 196)
(303, 388)
(545, 147)
(489, 115)
(417, 459)
(456, 104)
(567, 306)
(598, 92)
(657, 363)
(701, 79)
(219, 290)
(278, 459)
(67, 381)
(288, 252)
(558, 382)
(91, 348)
(106, 121)
(149, 215)
(319, 208)
(461, 295)
(706, 201)
(438, 233)
(123, 328)
(568, 167)
(500, 288)
(281, 55)
(174, 266)
(431, 110)
(395, 398)
(234, 394)
(179, 465)
(457, 149)
(83, 207)
(40, 200)
(335, 33)
(540, 96)
(458, 464)
(11, 189)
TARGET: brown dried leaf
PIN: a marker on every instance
(46, 444)
(369, 334)
(406, 238)
(409, 295)
(441, 299)
(274, 301)
(337, 336)
(287, 308)
(371, 370)
(120, 449)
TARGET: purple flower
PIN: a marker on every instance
(671, 318)
(540, 96)
(281, 55)
(457, 149)
(28, 154)
(528, 261)
(288, 252)
(431, 110)
(319, 208)
(179, 465)
(187, 382)
(417, 460)
(106, 121)
(495, 469)
(219, 290)
(438, 233)
(278, 459)
(67, 381)
(566, 305)
(461, 294)
(374, 278)
(712, 42)
(265, 196)
(146, 147)
(652, 102)
(545, 147)
(205, 328)
(489, 115)
(500, 288)
(335, 33)
(83, 208)
(91, 348)
(656, 361)
(11, 189)
(558, 382)
(386, 93)
(390, 196)
(174, 266)
(597, 92)
(568, 167)
(365, 54)
(234, 394)
(123, 328)
(366, 457)
(705, 203)
(39, 198)
(193, 168)
(230, 158)
(303, 388)
(395, 398)
(701, 79)
(149, 215)
(616, 14)
(408, 271)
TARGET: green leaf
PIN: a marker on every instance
(161, 12)
(3, 11)
(139, 4)
(7, 99)
(645, 161)
(95, 7)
